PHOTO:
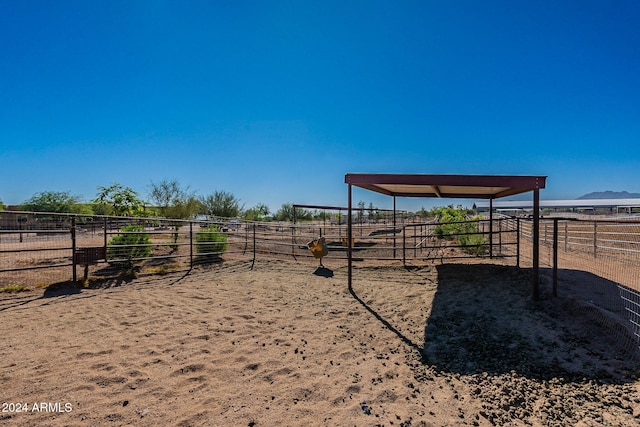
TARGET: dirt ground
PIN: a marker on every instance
(289, 343)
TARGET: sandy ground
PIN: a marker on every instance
(285, 343)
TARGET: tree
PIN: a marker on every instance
(118, 200)
(263, 209)
(2, 206)
(360, 213)
(54, 201)
(323, 215)
(173, 201)
(372, 211)
(221, 204)
(257, 213)
(285, 213)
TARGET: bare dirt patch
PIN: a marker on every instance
(285, 343)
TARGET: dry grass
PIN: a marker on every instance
(14, 288)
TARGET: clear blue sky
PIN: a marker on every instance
(274, 101)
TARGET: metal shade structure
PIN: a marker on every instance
(449, 186)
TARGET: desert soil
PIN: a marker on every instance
(287, 343)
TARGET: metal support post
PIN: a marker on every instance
(535, 279)
(349, 242)
(555, 257)
(491, 227)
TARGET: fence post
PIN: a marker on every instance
(190, 244)
(404, 245)
(566, 235)
(518, 242)
(491, 235)
(246, 238)
(20, 226)
(106, 255)
(595, 239)
(394, 227)
(73, 248)
(293, 242)
(555, 257)
(415, 242)
(254, 245)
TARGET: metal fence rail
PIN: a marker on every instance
(38, 249)
(617, 239)
(600, 259)
(41, 248)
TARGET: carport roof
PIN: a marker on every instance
(446, 186)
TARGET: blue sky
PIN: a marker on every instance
(274, 101)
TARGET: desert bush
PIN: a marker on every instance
(131, 244)
(455, 224)
(210, 242)
(475, 244)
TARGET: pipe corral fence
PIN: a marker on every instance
(578, 258)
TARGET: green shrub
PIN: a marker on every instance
(475, 244)
(454, 224)
(210, 241)
(131, 244)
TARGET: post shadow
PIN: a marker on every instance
(386, 323)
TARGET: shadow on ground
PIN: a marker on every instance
(484, 321)
(61, 289)
(323, 272)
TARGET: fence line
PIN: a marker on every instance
(597, 261)
(38, 249)
(48, 248)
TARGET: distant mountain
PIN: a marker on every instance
(610, 195)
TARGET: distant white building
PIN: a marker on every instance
(614, 206)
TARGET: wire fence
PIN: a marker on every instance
(38, 249)
(596, 262)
